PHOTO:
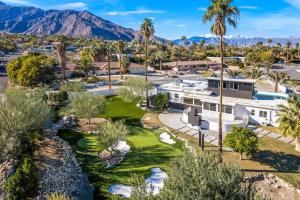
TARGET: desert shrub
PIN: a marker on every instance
(24, 182)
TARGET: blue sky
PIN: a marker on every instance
(174, 18)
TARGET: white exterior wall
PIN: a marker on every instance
(256, 119)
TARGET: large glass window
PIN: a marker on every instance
(227, 109)
(188, 100)
(263, 114)
(252, 112)
(206, 106)
(213, 107)
(197, 102)
(176, 95)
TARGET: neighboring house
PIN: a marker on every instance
(242, 104)
(101, 68)
(217, 59)
(193, 66)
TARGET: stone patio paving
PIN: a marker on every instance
(173, 121)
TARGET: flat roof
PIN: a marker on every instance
(191, 62)
(233, 79)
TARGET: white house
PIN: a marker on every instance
(242, 105)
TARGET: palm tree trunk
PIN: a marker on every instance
(146, 72)
(297, 148)
(276, 87)
(241, 156)
(220, 137)
(121, 72)
(109, 75)
(160, 65)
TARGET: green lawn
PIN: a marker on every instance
(118, 109)
(146, 150)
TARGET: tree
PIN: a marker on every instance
(135, 89)
(287, 48)
(160, 56)
(124, 64)
(86, 105)
(110, 133)
(185, 41)
(253, 59)
(267, 60)
(252, 73)
(160, 101)
(61, 48)
(279, 78)
(31, 70)
(84, 64)
(234, 73)
(242, 140)
(109, 48)
(21, 113)
(289, 119)
(221, 12)
(120, 46)
(72, 86)
(147, 29)
(200, 176)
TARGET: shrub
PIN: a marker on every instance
(24, 182)
(160, 101)
(58, 98)
(242, 140)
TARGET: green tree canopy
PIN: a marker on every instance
(242, 140)
(86, 105)
(160, 101)
(31, 70)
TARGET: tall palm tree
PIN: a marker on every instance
(109, 48)
(289, 119)
(147, 29)
(120, 46)
(279, 78)
(160, 56)
(234, 73)
(61, 48)
(287, 48)
(221, 12)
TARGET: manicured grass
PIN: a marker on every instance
(146, 150)
(118, 109)
(274, 157)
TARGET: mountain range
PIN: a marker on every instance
(240, 41)
(31, 20)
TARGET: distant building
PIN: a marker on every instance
(192, 66)
(233, 58)
(242, 104)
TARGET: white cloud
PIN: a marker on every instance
(248, 7)
(202, 9)
(135, 12)
(294, 3)
(72, 6)
(19, 2)
(181, 25)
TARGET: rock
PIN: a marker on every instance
(7, 169)
(59, 170)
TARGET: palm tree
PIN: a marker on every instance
(109, 48)
(125, 64)
(61, 48)
(120, 46)
(279, 78)
(185, 41)
(287, 48)
(147, 29)
(297, 49)
(84, 64)
(160, 56)
(252, 73)
(221, 12)
(234, 73)
(289, 119)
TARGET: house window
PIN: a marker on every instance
(231, 86)
(188, 100)
(206, 106)
(197, 102)
(236, 86)
(213, 107)
(227, 109)
(176, 95)
(263, 114)
(252, 112)
(225, 85)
